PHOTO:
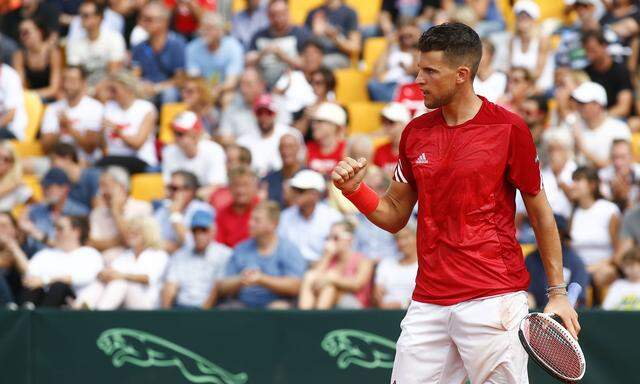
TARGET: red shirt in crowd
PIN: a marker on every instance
(324, 163)
(233, 227)
(184, 21)
(466, 178)
(385, 158)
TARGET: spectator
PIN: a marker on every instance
(570, 52)
(276, 48)
(129, 127)
(133, 280)
(358, 146)
(113, 208)
(489, 82)
(292, 155)
(84, 181)
(295, 86)
(56, 202)
(193, 272)
(307, 223)
(176, 211)
(264, 146)
(393, 11)
(520, 86)
(13, 116)
(341, 278)
(337, 25)
(214, 56)
(232, 221)
(323, 83)
(620, 179)
(196, 95)
(624, 294)
(264, 271)
(557, 174)
(594, 226)
(328, 145)
(535, 112)
(8, 47)
(13, 259)
(574, 270)
(394, 118)
(370, 240)
(13, 191)
(160, 59)
(191, 152)
(397, 64)
(74, 119)
(596, 130)
(395, 279)
(236, 156)
(238, 119)
(100, 51)
(17, 231)
(245, 24)
(614, 77)
(629, 235)
(44, 13)
(112, 20)
(38, 63)
(187, 16)
(615, 19)
(56, 275)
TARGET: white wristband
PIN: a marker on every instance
(176, 218)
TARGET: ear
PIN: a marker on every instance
(463, 74)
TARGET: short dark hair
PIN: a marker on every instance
(594, 34)
(79, 68)
(190, 179)
(65, 150)
(98, 6)
(541, 102)
(591, 175)
(313, 42)
(626, 142)
(81, 223)
(459, 42)
(328, 76)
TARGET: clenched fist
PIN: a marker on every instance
(348, 174)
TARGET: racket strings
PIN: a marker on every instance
(552, 346)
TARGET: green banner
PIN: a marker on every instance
(237, 347)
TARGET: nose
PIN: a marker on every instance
(420, 78)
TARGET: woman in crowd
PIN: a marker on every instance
(342, 277)
(129, 127)
(196, 94)
(13, 192)
(323, 83)
(519, 88)
(134, 279)
(38, 63)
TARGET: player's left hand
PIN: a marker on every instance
(559, 305)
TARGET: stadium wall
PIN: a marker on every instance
(236, 347)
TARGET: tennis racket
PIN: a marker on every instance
(551, 346)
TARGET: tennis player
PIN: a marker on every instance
(462, 163)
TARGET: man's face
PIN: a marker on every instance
(531, 113)
(202, 237)
(64, 230)
(72, 83)
(187, 141)
(323, 130)
(153, 20)
(266, 119)
(55, 193)
(590, 111)
(243, 189)
(251, 85)
(178, 188)
(436, 79)
(289, 148)
(312, 58)
(631, 270)
(278, 14)
(305, 197)
(88, 16)
(391, 128)
(594, 50)
(260, 223)
(211, 33)
(621, 157)
(585, 11)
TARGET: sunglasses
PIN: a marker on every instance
(6, 159)
(199, 229)
(86, 15)
(175, 188)
(178, 134)
(338, 237)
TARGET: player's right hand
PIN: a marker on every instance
(349, 173)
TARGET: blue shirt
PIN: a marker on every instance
(374, 242)
(285, 260)
(86, 188)
(217, 66)
(343, 18)
(163, 214)
(244, 26)
(40, 215)
(162, 65)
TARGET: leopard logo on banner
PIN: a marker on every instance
(142, 349)
(359, 348)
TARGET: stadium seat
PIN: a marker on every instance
(351, 86)
(33, 182)
(367, 10)
(298, 9)
(27, 149)
(373, 48)
(635, 144)
(34, 109)
(548, 9)
(167, 113)
(379, 141)
(364, 117)
(147, 186)
(527, 248)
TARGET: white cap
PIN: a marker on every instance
(396, 112)
(527, 6)
(589, 92)
(186, 121)
(308, 179)
(332, 113)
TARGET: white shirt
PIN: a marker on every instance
(85, 116)
(398, 280)
(308, 235)
(151, 262)
(209, 164)
(112, 21)
(297, 92)
(265, 156)
(12, 97)
(623, 295)
(558, 201)
(82, 264)
(590, 235)
(96, 55)
(492, 88)
(130, 121)
(397, 61)
(598, 141)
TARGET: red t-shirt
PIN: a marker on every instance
(184, 21)
(324, 163)
(233, 227)
(466, 178)
(385, 158)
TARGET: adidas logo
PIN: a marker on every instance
(422, 159)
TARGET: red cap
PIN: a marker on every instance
(186, 121)
(264, 101)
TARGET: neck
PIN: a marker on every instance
(597, 121)
(288, 170)
(36, 48)
(199, 250)
(75, 100)
(93, 34)
(462, 108)
(586, 202)
(69, 246)
(604, 63)
(126, 101)
(158, 40)
(267, 133)
(328, 145)
(240, 207)
(138, 250)
(409, 258)
(266, 241)
(307, 210)
(74, 172)
(214, 45)
(59, 206)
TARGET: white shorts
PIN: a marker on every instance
(475, 340)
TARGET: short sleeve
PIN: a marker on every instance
(236, 56)
(352, 22)
(233, 268)
(403, 172)
(523, 166)
(117, 51)
(50, 123)
(293, 264)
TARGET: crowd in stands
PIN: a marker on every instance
(176, 153)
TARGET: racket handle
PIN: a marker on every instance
(573, 293)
